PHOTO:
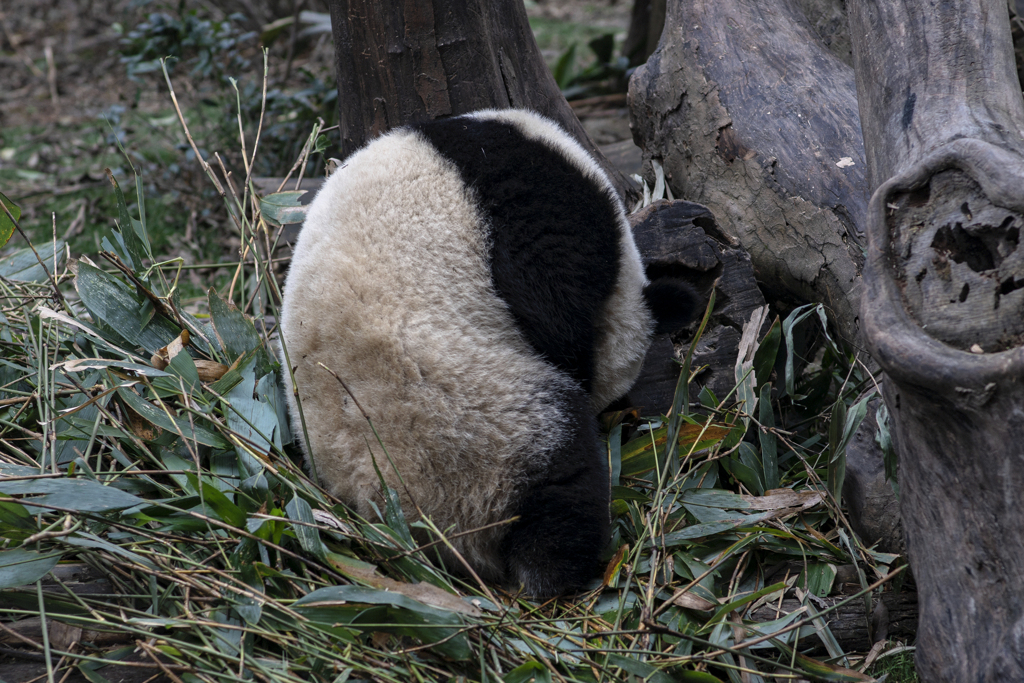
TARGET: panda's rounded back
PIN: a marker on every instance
(475, 284)
(389, 288)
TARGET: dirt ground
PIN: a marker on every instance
(61, 75)
(59, 63)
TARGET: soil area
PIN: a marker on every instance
(59, 63)
(68, 107)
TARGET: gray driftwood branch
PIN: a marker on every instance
(752, 116)
(943, 313)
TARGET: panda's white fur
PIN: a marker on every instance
(390, 287)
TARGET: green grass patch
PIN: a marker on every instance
(899, 667)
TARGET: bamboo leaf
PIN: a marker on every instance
(227, 511)
(841, 429)
(769, 445)
(183, 367)
(638, 668)
(792, 320)
(767, 352)
(283, 208)
(715, 498)
(529, 671)
(563, 70)
(426, 593)
(15, 517)
(83, 364)
(695, 531)
(818, 578)
(19, 567)
(92, 675)
(306, 531)
(253, 414)
(695, 677)
(404, 616)
(173, 424)
(6, 224)
(121, 308)
(746, 468)
(237, 334)
(82, 495)
(134, 247)
(23, 265)
(85, 539)
(746, 379)
(725, 609)
(639, 454)
(824, 671)
(615, 454)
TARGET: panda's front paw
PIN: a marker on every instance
(673, 303)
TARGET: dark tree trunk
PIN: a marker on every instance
(399, 62)
(943, 312)
(645, 24)
(753, 117)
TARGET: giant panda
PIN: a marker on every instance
(475, 284)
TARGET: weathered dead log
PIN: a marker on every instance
(61, 636)
(681, 239)
(136, 667)
(944, 313)
(398, 62)
(753, 117)
(79, 579)
(896, 619)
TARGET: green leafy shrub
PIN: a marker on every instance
(210, 47)
(606, 72)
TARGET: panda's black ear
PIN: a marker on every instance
(672, 302)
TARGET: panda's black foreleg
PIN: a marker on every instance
(563, 523)
(672, 302)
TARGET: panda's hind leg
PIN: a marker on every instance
(563, 526)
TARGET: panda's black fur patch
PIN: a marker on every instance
(672, 302)
(554, 234)
(563, 516)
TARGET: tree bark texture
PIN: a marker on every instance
(753, 117)
(411, 60)
(944, 313)
(829, 20)
(896, 618)
(681, 239)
